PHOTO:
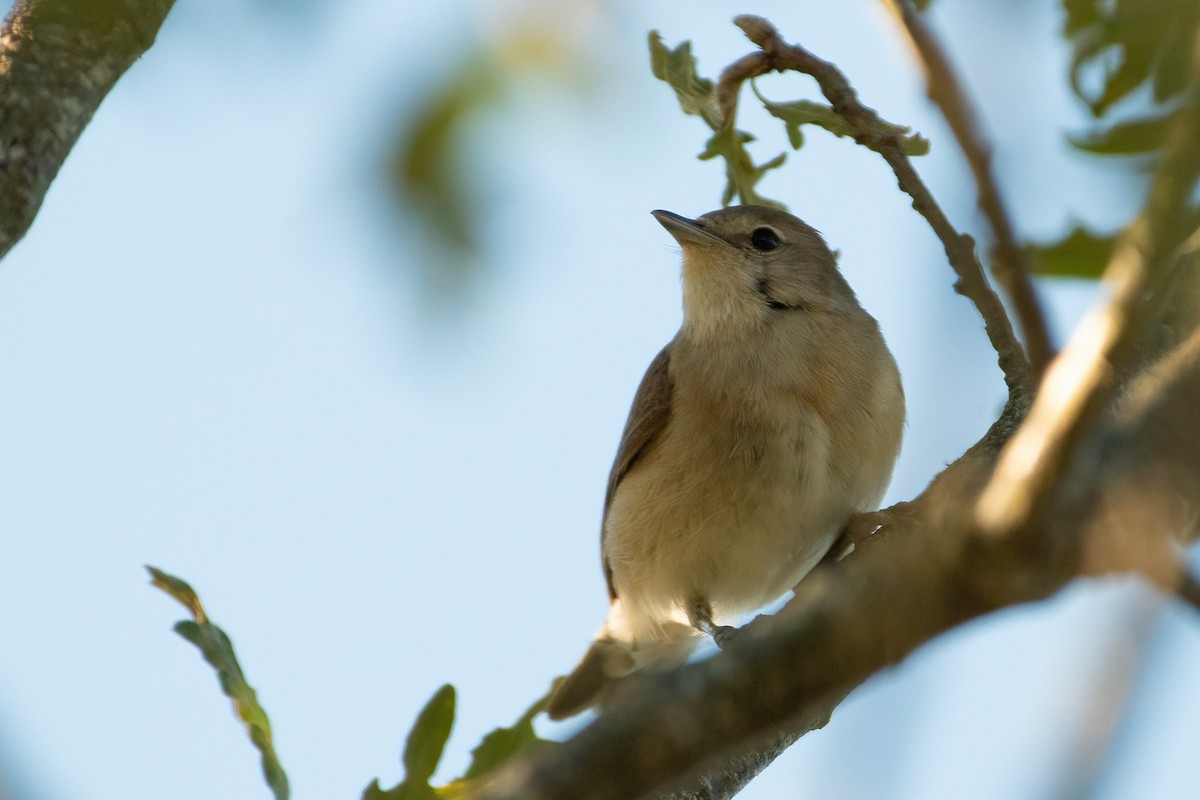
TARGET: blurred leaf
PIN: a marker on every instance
(1079, 254)
(1136, 60)
(428, 163)
(1137, 137)
(403, 791)
(428, 736)
(1079, 15)
(217, 650)
(1132, 43)
(1171, 78)
(1084, 254)
(503, 743)
(806, 112)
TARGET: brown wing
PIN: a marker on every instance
(647, 418)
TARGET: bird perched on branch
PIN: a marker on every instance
(774, 415)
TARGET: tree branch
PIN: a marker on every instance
(927, 572)
(1106, 346)
(870, 131)
(738, 770)
(58, 60)
(1010, 263)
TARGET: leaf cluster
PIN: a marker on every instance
(217, 650)
(697, 96)
(1129, 65)
(1135, 46)
(426, 739)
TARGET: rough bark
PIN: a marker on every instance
(58, 60)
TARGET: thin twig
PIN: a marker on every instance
(870, 131)
(1010, 262)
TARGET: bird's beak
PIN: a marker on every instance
(683, 229)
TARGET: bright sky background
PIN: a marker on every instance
(216, 360)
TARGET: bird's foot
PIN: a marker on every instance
(700, 615)
(860, 528)
(723, 635)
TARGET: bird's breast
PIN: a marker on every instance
(728, 505)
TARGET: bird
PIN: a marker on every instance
(774, 414)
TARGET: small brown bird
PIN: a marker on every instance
(774, 414)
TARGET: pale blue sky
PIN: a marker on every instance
(215, 361)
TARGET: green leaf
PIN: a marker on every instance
(1170, 78)
(428, 169)
(677, 67)
(428, 736)
(741, 173)
(403, 791)
(1130, 43)
(806, 112)
(217, 650)
(427, 739)
(373, 792)
(1079, 254)
(422, 752)
(1079, 15)
(1132, 71)
(1136, 137)
(502, 744)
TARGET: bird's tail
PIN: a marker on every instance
(616, 653)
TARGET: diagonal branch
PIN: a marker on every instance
(870, 131)
(928, 572)
(58, 60)
(1107, 344)
(1010, 262)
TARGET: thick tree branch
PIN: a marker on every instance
(58, 60)
(1010, 263)
(1108, 344)
(924, 574)
(1154, 479)
(738, 770)
(870, 130)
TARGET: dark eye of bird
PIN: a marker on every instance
(764, 239)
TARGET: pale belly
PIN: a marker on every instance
(734, 525)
